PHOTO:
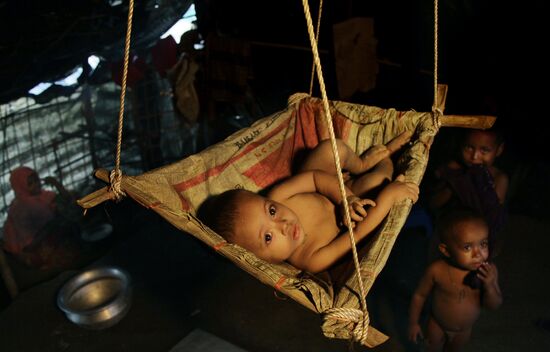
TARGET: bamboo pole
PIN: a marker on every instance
(468, 121)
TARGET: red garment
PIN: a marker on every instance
(164, 55)
(136, 71)
(27, 213)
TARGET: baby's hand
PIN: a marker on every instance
(414, 332)
(346, 176)
(487, 273)
(403, 190)
(357, 211)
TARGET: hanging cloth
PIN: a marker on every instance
(263, 154)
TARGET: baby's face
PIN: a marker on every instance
(469, 247)
(268, 229)
(481, 148)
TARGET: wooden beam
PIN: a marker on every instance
(95, 198)
(481, 122)
(102, 174)
(99, 196)
(442, 90)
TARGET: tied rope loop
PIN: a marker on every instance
(358, 317)
(115, 178)
(436, 118)
(361, 329)
(436, 111)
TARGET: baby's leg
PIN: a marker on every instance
(435, 336)
(376, 153)
(321, 158)
(382, 173)
(373, 156)
(399, 141)
(458, 340)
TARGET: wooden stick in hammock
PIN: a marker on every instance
(99, 196)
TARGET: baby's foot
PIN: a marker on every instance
(396, 143)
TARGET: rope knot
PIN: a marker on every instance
(115, 177)
(358, 317)
(436, 117)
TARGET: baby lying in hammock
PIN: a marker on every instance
(301, 219)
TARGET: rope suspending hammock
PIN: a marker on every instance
(261, 155)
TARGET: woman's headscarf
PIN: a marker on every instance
(27, 213)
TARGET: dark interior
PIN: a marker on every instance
(491, 56)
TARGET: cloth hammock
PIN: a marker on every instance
(263, 154)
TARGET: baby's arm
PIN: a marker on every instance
(327, 185)
(418, 299)
(323, 183)
(356, 208)
(488, 274)
(396, 191)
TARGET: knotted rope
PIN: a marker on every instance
(359, 317)
(317, 40)
(115, 177)
(436, 111)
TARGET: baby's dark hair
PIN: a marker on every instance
(495, 130)
(219, 212)
(447, 221)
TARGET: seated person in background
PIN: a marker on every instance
(35, 231)
(298, 221)
(473, 180)
(459, 284)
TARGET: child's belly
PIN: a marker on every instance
(456, 313)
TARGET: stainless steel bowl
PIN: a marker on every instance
(96, 298)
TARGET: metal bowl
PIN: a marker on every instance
(96, 298)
